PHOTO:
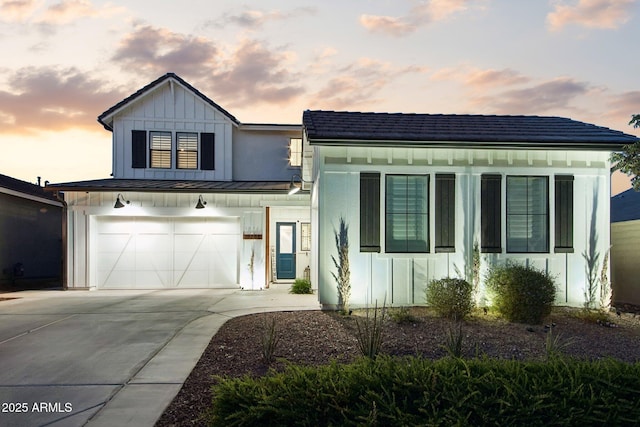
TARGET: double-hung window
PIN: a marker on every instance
(160, 149)
(527, 214)
(407, 213)
(187, 150)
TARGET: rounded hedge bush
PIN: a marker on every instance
(521, 294)
(450, 297)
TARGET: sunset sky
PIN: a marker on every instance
(65, 62)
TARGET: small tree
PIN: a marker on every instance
(628, 161)
(342, 265)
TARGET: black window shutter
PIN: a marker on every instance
(207, 151)
(445, 212)
(490, 217)
(369, 212)
(564, 213)
(138, 149)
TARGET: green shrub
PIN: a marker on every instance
(402, 315)
(301, 286)
(413, 391)
(452, 298)
(521, 294)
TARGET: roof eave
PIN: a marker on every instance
(406, 143)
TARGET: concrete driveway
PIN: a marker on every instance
(111, 357)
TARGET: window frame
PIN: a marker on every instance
(546, 215)
(179, 151)
(295, 154)
(305, 236)
(411, 245)
(153, 150)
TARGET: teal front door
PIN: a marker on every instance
(286, 250)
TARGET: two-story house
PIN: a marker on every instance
(197, 198)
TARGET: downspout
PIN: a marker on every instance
(63, 267)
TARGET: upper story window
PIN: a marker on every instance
(407, 213)
(160, 149)
(190, 153)
(187, 150)
(295, 152)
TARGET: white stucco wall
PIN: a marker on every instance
(401, 278)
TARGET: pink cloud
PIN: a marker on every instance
(479, 78)
(45, 99)
(17, 10)
(62, 13)
(603, 14)
(238, 76)
(421, 14)
(388, 25)
(358, 84)
(541, 98)
(255, 19)
(155, 51)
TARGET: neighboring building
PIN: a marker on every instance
(205, 198)
(418, 191)
(625, 238)
(30, 234)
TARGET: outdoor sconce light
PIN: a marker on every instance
(201, 203)
(119, 201)
(293, 188)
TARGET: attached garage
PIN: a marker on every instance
(166, 252)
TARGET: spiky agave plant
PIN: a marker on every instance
(342, 276)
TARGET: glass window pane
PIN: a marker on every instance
(406, 217)
(537, 195)
(286, 239)
(516, 195)
(527, 214)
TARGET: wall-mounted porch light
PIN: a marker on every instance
(201, 203)
(293, 188)
(119, 201)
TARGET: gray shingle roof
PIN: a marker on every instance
(625, 206)
(155, 185)
(343, 127)
(102, 117)
(25, 187)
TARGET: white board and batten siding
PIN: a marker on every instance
(400, 279)
(159, 240)
(171, 108)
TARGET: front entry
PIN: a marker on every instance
(286, 250)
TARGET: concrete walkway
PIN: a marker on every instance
(112, 358)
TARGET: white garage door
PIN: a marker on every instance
(159, 252)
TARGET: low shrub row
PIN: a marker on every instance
(520, 293)
(413, 391)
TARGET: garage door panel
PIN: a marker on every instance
(167, 252)
(152, 242)
(152, 279)
(114, 242)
